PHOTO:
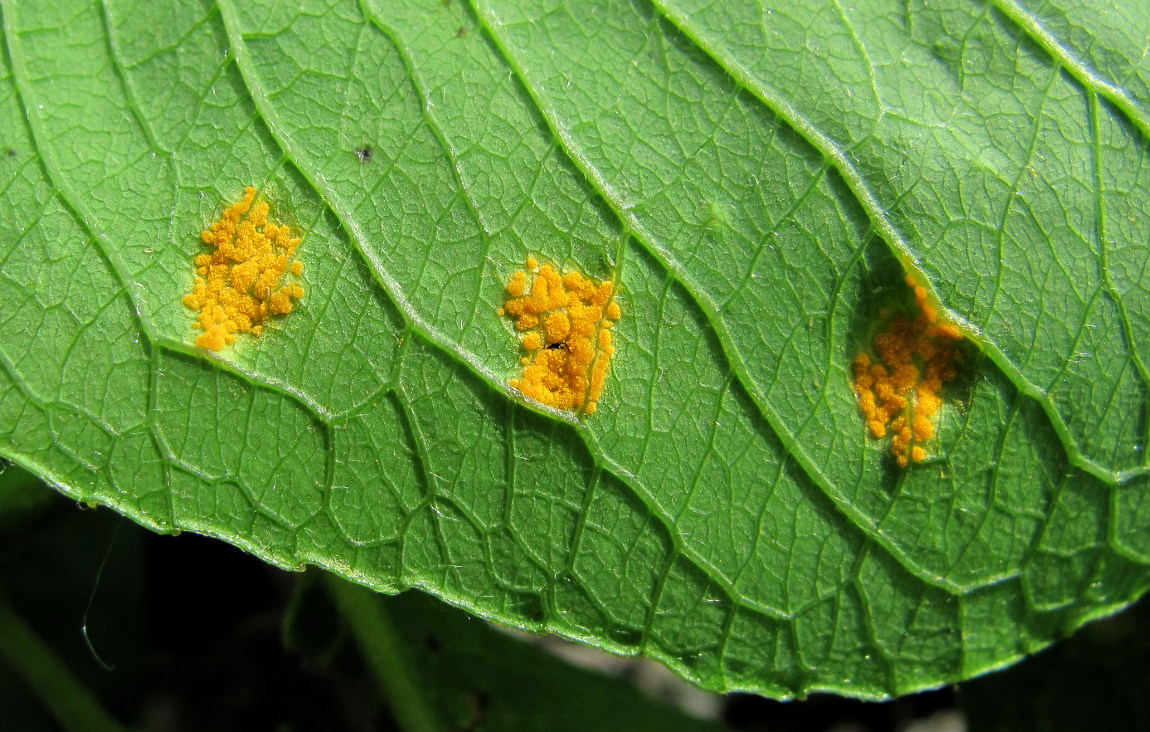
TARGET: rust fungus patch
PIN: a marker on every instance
(564, 324)
(238, 286)
(898, 383)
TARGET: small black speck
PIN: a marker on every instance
(560, 346)
(364, 153)
(433, 644)
(10, 152)
(461, 33)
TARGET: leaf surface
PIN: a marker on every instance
(754, 180)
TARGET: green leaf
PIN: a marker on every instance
(757, 181)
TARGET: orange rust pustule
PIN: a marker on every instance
(238, 286)
(564, 322)
(899, 391)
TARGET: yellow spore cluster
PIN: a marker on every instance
(238, 285)
(900, 391)
(564, 321)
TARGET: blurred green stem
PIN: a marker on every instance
(73, 706)
(365, 615)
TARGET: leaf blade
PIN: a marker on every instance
(723, 512)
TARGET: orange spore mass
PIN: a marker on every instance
(899, 392)
(563, 320)
(238, 285)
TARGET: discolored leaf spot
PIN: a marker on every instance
(900, 374)
(237, 286)
(564, 324)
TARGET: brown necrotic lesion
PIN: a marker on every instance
(564, 324)
(899, 380)
(239, 285)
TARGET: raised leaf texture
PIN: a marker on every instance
(751, 178)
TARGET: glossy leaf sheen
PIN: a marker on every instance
(750, 177)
